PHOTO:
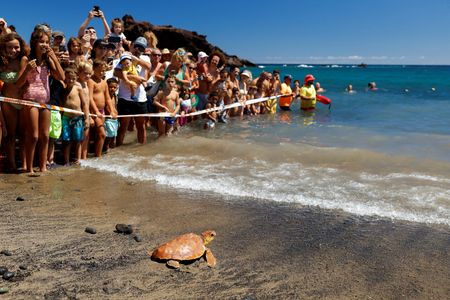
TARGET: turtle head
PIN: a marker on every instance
(208, 236)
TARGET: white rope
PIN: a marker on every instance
(151, 115)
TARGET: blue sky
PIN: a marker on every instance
(319, 31)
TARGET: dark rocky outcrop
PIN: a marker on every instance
(173, 38)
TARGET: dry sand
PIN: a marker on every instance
(264, 250)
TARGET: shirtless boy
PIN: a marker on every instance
(99, 101)
(167, 100)
(84, 74)
(73, 125)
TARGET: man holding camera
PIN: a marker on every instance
(88, 33)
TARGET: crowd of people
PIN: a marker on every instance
(108, 84)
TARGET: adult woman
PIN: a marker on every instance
(178, 68)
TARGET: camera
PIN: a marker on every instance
(114, 39)
(95, 10)
(62, 48)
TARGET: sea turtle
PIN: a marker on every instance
(189, 246)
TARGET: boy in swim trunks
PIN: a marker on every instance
(73, 125)
(167, 100)
(99, 102)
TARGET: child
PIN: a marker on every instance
(13, 63)
(84, 74)
(74, 125)
(111, 125)
(211, 117)
(43, 63)
(99, 102)
(133, 81)
(118, 37)
(167, 100)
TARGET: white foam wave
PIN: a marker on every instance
(329, 188)
(304, 66)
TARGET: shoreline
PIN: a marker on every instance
(264, 249)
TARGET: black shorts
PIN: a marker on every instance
(126, 107)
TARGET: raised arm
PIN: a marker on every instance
(105, 23)
(83, 26)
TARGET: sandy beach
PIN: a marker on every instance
(265, 250)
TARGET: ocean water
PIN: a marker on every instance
(383, 153)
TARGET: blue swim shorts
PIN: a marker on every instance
(72, 128)
(111, 127)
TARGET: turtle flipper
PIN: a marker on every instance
(173, 264)
(210, 259)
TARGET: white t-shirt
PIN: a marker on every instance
(124, 90)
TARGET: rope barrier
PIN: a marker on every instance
(41, 105)
(151, 115)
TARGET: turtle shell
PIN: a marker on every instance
(185, 247)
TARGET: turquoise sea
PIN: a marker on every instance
(383, 153)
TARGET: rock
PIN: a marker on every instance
(91, 230)
(23, 267)
(20, 198)
(8, 275)
(3, 270)
(3, 290)
(6, 252)
(138, 238)
(174, 38)
(125, 229)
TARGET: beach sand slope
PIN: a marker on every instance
(264, 250)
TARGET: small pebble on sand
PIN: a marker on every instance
(91, 230)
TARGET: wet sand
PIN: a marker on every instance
(264, 250)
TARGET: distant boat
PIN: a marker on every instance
(362, 65)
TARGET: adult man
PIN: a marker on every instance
(286, 91)
(90, 33)
(208, 81)
(128, 106)
(308, 94)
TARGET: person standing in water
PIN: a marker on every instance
(308, 94)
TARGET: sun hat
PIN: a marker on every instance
(309, 77)
(165, 51)
(140, 41)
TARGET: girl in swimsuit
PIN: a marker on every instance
(43, 63)
(13, 62)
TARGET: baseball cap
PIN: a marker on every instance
(57, 33)
(141, 41)
(201, 55)
(99, 42)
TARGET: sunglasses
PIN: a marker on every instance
(154, 54)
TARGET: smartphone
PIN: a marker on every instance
(96, 8)
(62, 48)
(114, 39)
(109, 59)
